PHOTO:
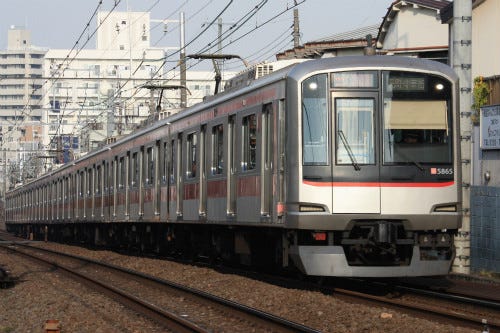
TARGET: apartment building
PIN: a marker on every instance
(21, 80)
(57, 104)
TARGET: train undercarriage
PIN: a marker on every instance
(368, 249)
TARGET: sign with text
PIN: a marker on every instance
(490, 127)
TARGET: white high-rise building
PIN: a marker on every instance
(21, 71)
(57, 104)
(94, 96)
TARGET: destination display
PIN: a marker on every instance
(358, 79)
(407, 83)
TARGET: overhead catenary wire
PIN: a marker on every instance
(166, 76)
(230, 33)
(66, 62)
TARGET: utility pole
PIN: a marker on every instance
(296, 28)
(183, 61)
(219, 35)
(182, 52)
(462, 62)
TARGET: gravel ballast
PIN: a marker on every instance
(44, 294)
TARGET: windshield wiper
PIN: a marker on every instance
(415, 163)
(411, 161)
(349, 151)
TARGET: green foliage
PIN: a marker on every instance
(481, 93)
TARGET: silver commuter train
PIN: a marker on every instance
(344, 166)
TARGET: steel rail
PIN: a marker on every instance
(166, 318)
(277, 324)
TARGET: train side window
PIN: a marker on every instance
(218, 149)
(121, 172)
(192, 142)
(171, 173)
(134, 170)
(98, 180)
(89, 182)
(112, 172)
(249, 158)
(81, 179)
(165, 166)
(149, 167)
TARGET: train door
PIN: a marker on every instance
(248, 187)
(156, 174)
(179, 177)
(231, 168)
(202, 197)
(355, 171)
(191, 177)
(140, 180)
(74, 193)
(171, 181)
(98, 192)
(107, 189)
(266, 161)
(113, 186)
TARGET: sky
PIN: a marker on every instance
(60, 24)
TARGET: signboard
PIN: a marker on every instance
(490, 127)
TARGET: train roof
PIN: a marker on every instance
(370, 62)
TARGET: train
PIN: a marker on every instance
(343, 166)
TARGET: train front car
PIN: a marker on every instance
(373, 178)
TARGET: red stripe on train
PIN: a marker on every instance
(191, 191)
(376, 184)
(217, 188)
(249, 186)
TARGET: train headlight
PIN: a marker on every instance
(446, 209)
(311, 208)
(313, 85)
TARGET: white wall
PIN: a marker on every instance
(414, 28)
(485, 39)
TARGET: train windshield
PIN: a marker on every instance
(416, 119)
(315, 120)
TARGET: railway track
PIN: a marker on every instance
(471, 310)
(437, 305)
(177, 307)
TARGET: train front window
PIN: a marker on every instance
(354, 130)
(315, 120)
(417, 119)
